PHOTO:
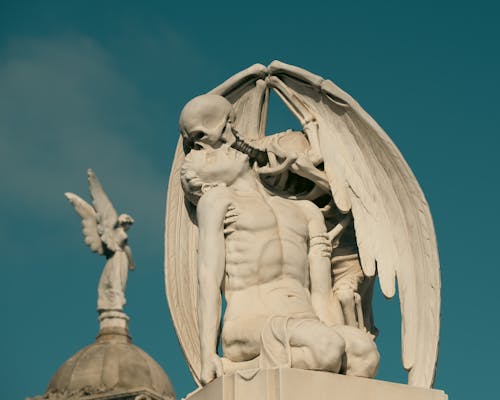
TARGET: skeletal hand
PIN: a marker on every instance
(302, 165)
(315, 158)
(230, 217)
(275, 166)
(310, 128)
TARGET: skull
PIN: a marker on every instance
(205, 121)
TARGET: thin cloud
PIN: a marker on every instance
(64, 107)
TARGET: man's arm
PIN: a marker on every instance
(211, 263)
(320, 265)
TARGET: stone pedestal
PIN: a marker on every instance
(297, 384)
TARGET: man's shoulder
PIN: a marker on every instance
(302, 204)
(309, 208)
(216, 196)
(303, 207)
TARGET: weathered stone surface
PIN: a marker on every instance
(104, 232)
(112, 367)
(297, 384)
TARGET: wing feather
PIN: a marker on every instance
(107, 217)
(393, 224)
(89, 222)
(181, 239)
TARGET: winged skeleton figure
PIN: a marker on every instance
(104, 232)
(347, 165)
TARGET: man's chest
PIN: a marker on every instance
(266, 213)
(253, 213)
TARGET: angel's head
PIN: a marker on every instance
(207, 168)
(125, 221)
(205, 122)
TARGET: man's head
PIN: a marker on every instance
(205, 121)
(204, 169)
(125, 221)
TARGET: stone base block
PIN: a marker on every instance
(298, 384)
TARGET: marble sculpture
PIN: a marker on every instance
(104, 232)
(292, 230)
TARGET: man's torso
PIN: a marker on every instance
(267, 269)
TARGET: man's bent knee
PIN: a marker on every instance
(328, 351)
(368, 359)
(362, 357)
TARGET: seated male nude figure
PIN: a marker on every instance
(270, 256)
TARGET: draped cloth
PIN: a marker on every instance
(275, 344)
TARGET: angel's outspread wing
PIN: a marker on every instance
(89, 222)
(367, 175)
(107, 217)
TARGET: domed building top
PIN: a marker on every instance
(112, 367)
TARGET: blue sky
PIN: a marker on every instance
(100, 84)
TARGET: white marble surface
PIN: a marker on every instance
(297, 384)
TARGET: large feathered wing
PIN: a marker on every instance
(107, 216)
(248, 94)
(181, 243)
(393, 224)
(89, 222)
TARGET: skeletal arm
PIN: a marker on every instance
(319, 265)
(304, 166)
(302, 113)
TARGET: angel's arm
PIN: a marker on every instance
(210, 212)
(128, 252)
(319, 265)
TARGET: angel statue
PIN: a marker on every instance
(270, 221)
(104, 232)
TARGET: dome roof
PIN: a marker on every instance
(111, 365)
